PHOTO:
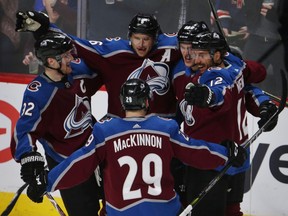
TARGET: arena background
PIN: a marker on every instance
(266, 191)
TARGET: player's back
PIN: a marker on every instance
(136, 154)
(137, 166)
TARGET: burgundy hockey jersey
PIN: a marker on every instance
(116, 62)
(59, 118)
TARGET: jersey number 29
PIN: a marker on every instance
(154, 180)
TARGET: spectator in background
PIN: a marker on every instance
(10, 40)
(63, 13)
(232, 16)
(264, 39)
(13, 46)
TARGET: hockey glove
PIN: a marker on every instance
(198, 95)
(36, 22)
(237, 154)
(32, 164)
(267, 109)
(37, 188)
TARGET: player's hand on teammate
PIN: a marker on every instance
(267, 109)
(237, 154)
(36, 22)
(198, 95)
(32, 164)
(37, 188)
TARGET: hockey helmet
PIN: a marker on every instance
(190, 29)
(145, 24)
(209, 41)
(52, 45)
(134, 93)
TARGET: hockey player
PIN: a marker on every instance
(215, 95)
(147, 54)
(56, 112)
(136, 151)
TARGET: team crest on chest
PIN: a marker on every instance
(156, 74)
(79, 119)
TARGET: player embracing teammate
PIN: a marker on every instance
(149, 55)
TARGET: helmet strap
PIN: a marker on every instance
(64, 79)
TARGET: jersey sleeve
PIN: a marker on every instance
(197, 153)
(81, 70)
(254, 96)
(254, 72)
(90, 51)
(80, 165)
(218, 80)
(24, 136)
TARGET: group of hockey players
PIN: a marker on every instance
(155, 82)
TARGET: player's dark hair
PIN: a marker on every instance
(134, 94)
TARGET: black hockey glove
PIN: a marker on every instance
(198, 95)
(237, 154)
(267, 109)
(37, 188)
(32, 164)
(36, 22)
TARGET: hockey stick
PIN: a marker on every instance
(275, 98)
(218, 23)
(211, 184)
(9, 208)
(11, 205)
(55, 204)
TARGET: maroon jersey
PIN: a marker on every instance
(226, 119)
(116, 62)
(59, 118)
(136, 154)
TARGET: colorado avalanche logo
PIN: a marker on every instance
(159, 83)
(186, 111)
(79, 118)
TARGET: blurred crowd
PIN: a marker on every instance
(250, 27)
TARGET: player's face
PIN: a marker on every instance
(141, 43)
(186, 51)
(202, 60)
(67, 57)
